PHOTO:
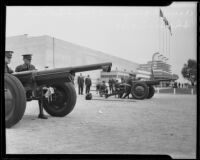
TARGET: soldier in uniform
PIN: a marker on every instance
(128, 87)
(110, 82)
(8, 56)
(120, 89)
(27, 66)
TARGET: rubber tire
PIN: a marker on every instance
(70, 95)
(151, 92)
(146, 90)
(18, 93)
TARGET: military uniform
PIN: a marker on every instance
(119, 90)
(25, 67)
(28, 67)
(7, 69)
(128, 87)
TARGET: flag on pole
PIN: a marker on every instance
(161, 13)
(170, 30)
(166, 21)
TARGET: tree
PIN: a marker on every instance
(189, 71)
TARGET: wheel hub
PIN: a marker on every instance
(139, 90)
(58, 99)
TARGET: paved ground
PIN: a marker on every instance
(165, 124)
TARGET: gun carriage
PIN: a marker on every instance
(139, 89)
(53, 88)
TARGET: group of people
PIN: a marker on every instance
(121, 89)
(81, 81)
(178, 85)
(26, 66)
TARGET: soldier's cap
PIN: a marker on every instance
(27, 56)
(9, 54)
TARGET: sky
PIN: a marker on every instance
(132, 33)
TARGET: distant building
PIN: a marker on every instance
(116, 75)
(161, 70)
(49, 52)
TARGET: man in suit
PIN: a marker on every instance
(88, 84)
(80, 84)
(8, 56)
(27, 66)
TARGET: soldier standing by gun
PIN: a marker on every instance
(88, 84)
(8, 56)
(119, 90)
(128, 87)
(110, 82)
(80, 84)
(27, 66)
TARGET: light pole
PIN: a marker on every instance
(152, 64)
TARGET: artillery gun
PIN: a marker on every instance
(140, 89)
(33, 85)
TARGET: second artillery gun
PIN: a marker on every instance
(53, 88)
(140, 89)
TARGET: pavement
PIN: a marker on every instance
(165, 124)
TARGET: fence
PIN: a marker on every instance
(176, 90)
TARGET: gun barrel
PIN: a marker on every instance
(58, 74)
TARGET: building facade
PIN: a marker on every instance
(161, 70)
(50, 52)
(116, 75)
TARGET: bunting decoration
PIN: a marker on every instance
(161, 13)
(165, 21)
(170, 29)
(164, 33)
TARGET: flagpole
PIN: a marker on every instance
(163, 30)
(166, 40)
(162, 38)
(159, 33)
(169, 44)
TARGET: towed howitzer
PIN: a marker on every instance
(139, 89)
(53, 88)
(144, 89)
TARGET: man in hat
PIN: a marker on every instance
(27, 66)
(8, 56)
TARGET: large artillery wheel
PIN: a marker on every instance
(15, 100)
(151, 92)
(63, 101)
(139, 90)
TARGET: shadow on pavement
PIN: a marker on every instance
(121, 100)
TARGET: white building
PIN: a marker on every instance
(56, 53)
